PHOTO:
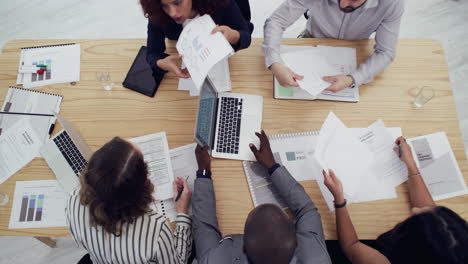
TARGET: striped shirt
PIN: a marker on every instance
(148, 239)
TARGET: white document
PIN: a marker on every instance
(155, 150)
(386, 166)
(219, 76)
(184, 165)
(338, 149)
(438, 166)
(200, 49)
(18, 146)
(38, 204)
(63, 65)
(21, 100)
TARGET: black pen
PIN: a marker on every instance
(180, 193)
(31, 114)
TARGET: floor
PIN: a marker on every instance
(444, 20)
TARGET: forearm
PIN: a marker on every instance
(183, 236)
(374, 65)
(418, 192)
(345, 230)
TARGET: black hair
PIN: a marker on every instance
(435, 236)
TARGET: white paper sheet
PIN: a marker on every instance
(184, 164)
(38, 204)
(155, 150)
(63, 65)
(18, 146)
(200, 49)
(338, 149)
(438, 166)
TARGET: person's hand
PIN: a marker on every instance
(264, 156)
(338, 82)
(403, 150)
(203, 157)
(180, 185)
(230, 34)
(170, 64)
(334, 186)
(285, 76)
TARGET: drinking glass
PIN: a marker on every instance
(424, 95)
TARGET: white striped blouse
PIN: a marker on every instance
(148, 239)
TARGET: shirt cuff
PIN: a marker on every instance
(273, 168)
(358, 78)
(271, 57)
(184, 220)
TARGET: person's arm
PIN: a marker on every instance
(418, 192)
(354, 250)
(386, 38)
(156, 46)
(308, 222)
(178, 252)
(234, 19)
(283, 17)
(205, 223)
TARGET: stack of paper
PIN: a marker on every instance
(314, 63)
(219, 75)
(201, 51)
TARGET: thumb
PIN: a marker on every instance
(297, 76)
(254, 149)
(174, 189)
(327, 78)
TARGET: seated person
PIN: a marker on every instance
(166, 18)
(111, 215)
(433, 234)
(338, 19)
(269, 235)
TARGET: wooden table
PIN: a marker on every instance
(100, 115)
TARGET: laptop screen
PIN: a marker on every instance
(206, 119)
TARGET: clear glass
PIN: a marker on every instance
(424, 95)
(3, 198)
(105, 79)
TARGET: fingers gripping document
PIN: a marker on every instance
(200, 49)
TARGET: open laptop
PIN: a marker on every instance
(66, 154)
(227, 122)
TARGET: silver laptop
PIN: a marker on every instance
(227, 122)
(67, 154)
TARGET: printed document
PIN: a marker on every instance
(38, 204)
(219, 75)
(200, 49)
(155, 150)
(18, 146)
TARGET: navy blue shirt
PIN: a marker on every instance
(230, 16)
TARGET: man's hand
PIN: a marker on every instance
(338, 82)
(264, 156)
(230, 34)
(180, 185)
(334, 186)
(285, 76)
(170, 64)
(403, 150)
(203, 157)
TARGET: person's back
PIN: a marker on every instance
(110, 216)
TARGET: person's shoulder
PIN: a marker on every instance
(391, 4)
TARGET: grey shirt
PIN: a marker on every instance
(326, 20)
(213, 248)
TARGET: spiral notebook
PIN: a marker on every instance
(61, 63)
(20, 100)
(293, 151)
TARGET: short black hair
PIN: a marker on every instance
(269, 235)
(436, 236)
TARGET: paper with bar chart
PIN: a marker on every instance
(38, 204)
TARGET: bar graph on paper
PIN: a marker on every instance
(38, 204)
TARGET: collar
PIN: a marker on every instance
(367, 4)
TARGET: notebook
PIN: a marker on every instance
(61, 63)
(295, 152)
(22, 100)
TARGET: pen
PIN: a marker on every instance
(180, 193)
(399, 150)
(32, 114)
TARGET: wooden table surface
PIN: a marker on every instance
(100, 115)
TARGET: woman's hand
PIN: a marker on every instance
(230, 34)
(285, 76)
(180, 185)
(170, 64)
(403, 150)
(334, 186)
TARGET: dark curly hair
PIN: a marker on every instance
(152, 9)
(436, 236)
(115, 185)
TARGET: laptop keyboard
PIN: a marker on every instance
(70, 152)
(229, 125)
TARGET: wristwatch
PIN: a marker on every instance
(354, 81)
(204, 174)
